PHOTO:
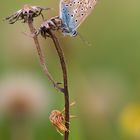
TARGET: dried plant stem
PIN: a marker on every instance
(64, 70)
(42, 58)
(65, 79)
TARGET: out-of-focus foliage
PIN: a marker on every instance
(104, 78)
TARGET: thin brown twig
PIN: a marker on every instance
(65, 79)
(42, 58)
(64, 70)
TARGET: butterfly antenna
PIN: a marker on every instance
(84, 40)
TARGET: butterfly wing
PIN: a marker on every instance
(67, 17)
(74, 12)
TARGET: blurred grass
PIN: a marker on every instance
(104, 78)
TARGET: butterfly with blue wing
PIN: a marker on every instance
(73, 13)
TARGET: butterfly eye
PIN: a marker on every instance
(74, 33)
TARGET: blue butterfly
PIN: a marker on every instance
(73, 13)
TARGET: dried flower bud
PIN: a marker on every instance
(54, 23)
(27, 13)
(58, 120)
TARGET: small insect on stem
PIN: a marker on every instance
(57, 119)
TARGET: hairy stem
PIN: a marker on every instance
(65, 79)
(42, 58)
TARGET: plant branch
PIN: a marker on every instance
(42, 58)
(64, 70)
(65, 79)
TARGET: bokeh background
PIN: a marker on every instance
(104, 78)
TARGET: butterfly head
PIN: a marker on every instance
(74, 33)
(69, 32)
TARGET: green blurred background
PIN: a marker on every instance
(104, 78)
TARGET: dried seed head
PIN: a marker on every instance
(54, 23)
(58, 120)
(27, 13)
